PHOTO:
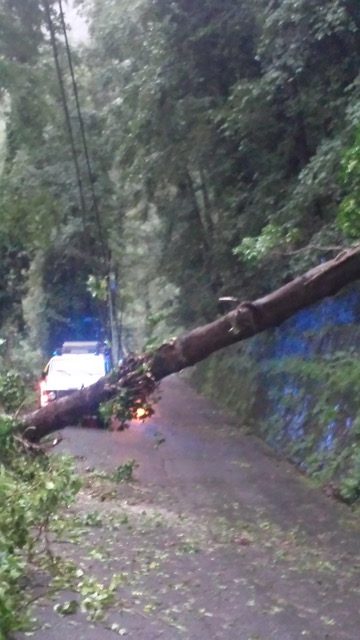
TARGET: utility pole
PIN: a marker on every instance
(114, 330)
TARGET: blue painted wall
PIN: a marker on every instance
(265, 382)
(318, 333)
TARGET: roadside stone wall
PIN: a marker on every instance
(298, 387)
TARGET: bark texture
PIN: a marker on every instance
(247, 319)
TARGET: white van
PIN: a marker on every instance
(70, 372)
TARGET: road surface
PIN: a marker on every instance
(216, 538)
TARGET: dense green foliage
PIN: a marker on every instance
(349, 216)
(36, 493)
(231, 120)
(32, 490)
(219, 127)
(50, 244)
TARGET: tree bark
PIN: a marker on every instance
(246, 320)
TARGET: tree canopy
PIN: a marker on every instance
(223, 141)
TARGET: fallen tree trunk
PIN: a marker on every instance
(247, 319)
(134, 375)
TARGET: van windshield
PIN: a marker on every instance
(79, 364)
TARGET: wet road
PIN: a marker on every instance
(217, 538)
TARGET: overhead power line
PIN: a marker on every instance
(105, 253)
(66, 109)
(82, 131)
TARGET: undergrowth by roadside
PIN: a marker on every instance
(33, 488)
(36, 493)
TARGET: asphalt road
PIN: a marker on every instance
(216, 538)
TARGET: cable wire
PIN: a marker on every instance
(82, 132)
(106, 254)
(66, 110)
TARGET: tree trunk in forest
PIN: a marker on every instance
(246, 320)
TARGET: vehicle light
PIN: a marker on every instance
(43, 394)
(44, 401)
(141, 413)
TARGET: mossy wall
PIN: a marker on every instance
(298, 387)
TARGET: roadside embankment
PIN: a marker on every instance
(298, 387)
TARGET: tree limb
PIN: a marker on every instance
(246, 320)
